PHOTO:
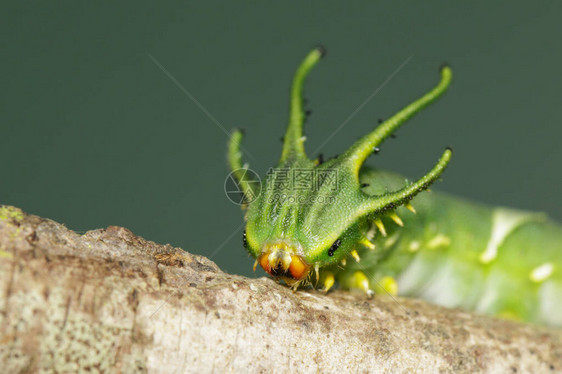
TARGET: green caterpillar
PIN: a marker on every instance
(310, 216)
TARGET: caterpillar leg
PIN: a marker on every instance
(359, 281)
(328, 280)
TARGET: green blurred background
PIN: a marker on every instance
(96, 132)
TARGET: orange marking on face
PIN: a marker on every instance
(298, 268)
(264, 262)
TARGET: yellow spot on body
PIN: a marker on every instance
(367, 243)
(255, 265)
(411, 208)
(439, 240)
(355, 255)
(414, 246)
(396, 219)
(329, 281)
(317, 271)
(390, 285)
(343, 261)
(380, 226)
(542, 272)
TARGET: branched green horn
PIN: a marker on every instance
(293, 145)
(245, 181)
(355, 156)
(358, 153)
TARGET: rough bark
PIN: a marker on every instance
(110, 301)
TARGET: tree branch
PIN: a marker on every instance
(111, 301)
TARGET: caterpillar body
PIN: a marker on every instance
(341, 223)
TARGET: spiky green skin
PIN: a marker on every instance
(461, 256)
(452, 273)
(311, 227)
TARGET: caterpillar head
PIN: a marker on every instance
(310, 214)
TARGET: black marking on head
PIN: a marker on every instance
(334, 247)
(244, 240)
(376, 150)
(278, 270)
(321, 49)
(320, 159)
(363, 185)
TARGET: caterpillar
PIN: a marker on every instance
(338, 222)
